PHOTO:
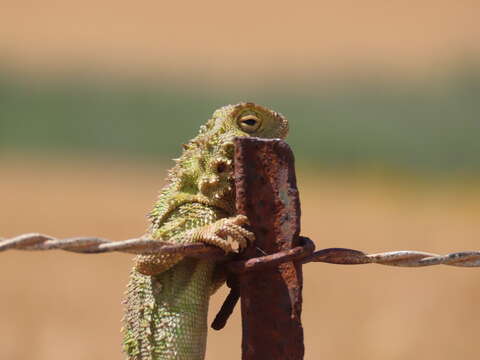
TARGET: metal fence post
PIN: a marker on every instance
(271, 299)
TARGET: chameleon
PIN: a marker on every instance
(166, 302)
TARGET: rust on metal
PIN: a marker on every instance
(271, 299)
(298, 253)
(338, 256)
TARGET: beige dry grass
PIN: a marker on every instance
(231, 40)
(65, 306)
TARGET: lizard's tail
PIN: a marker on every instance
(166, 314)
(139, 319)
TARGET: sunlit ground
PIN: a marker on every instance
(56, 305)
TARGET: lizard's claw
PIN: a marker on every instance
(228, 234)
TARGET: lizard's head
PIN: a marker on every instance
(206, 166)
(241, 120)
(248, 119)
(255, 120)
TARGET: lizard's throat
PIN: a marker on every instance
(225, 203)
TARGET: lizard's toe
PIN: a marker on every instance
(227, 233)
(240, 235)
(240, 220)
(224, 243)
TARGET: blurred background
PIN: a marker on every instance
(384, 106)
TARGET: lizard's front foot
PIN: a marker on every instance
(228, 234)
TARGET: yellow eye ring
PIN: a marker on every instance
(249, 123)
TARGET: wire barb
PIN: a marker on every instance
(304, 254)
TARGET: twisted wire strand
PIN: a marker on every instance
(403, 258)
(143, 245)
(94, 245)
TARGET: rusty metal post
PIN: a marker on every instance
(271, 299)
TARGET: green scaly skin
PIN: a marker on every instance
(167, 297)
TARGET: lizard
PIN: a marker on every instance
(166, 302)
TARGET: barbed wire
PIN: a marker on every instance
(403, 258)
(95, 245)
(304, 253)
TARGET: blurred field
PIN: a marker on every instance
(376, 86)
(66, 306)
(238, 43)
(428, 127)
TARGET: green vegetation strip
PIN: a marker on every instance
(432, 127)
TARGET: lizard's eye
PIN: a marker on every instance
(249, 123)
